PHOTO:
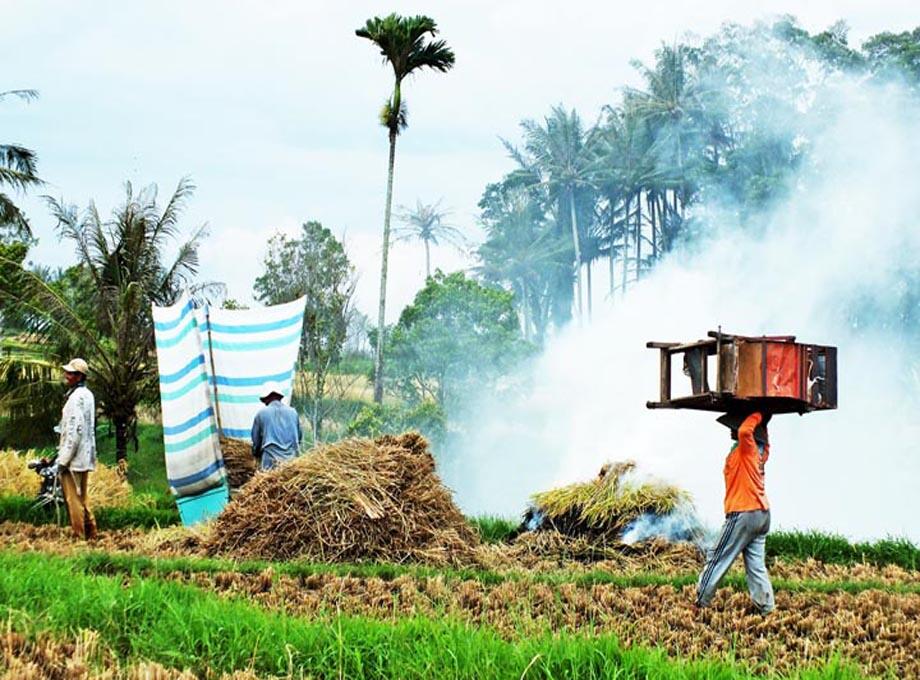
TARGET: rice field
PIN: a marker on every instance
(307, 598)
(142, 599)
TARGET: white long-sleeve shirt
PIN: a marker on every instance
(77, 447)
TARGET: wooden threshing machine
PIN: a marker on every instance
(735, 372)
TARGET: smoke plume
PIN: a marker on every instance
(826, 265)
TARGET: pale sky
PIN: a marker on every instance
(270, 107)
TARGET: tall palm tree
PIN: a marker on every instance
(626, 170)
(122, 269)
(426, 223)
(407, 45)
(524, 252)
(17, 171)
(672, 107)
(561, 154)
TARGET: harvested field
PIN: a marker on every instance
(356, 500)
(107, 487)
(61, 540)
(880, 631)
(656, 557)
(551, 550)
(875, 628)
(82, 657)
(238, 461)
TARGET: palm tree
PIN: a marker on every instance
(525, 252)
(17, 171)
(561, 154)
(106, 317)
(426, 224)
(404, 44)
(626, 170)
(672, 108)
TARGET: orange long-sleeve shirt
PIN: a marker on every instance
(744, 470)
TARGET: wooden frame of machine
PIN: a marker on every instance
(775, 373)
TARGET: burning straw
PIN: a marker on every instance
(357, 499)
(602, 508)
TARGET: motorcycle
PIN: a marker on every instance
(50, 492)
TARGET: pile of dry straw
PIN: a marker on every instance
(238, 461)
(358, 499)
(107, 488)
(601, 508)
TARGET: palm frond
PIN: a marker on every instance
(12, 216)
(184, 268)
(52, 316)
(434, 55)
(21, 160)
(25, 95)
(167, 223)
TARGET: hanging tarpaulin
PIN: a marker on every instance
(251, 348)
(214, 365)
(193, 460)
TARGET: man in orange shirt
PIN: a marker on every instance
(747, 514)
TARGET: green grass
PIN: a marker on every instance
(833, 549)
(181, 626)
(146, 466)
(19, 509)
(110, 564)
(492, 529)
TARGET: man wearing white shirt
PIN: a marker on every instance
(76, 456)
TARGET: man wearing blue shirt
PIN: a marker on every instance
(276, 431)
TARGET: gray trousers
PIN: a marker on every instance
(742, 532)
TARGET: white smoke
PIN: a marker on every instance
(681, 524)
(852, 220)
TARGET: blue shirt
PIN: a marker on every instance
(275, 434)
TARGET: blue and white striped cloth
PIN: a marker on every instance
(193, 458)
(250, 348)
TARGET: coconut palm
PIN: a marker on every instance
(426, 223)
(671, 105)
(523, 251)
(627, 169)
(407, 45)
(562, 155)
(17, 171)
(104, 314)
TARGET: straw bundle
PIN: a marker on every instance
(238, 461)
(602, 508)
(107, 488)
(358, 499)
(15, 478)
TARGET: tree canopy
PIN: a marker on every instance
(456, 336)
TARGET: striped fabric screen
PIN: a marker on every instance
(249, 349)
(193, 459)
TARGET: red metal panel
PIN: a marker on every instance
(783, 370)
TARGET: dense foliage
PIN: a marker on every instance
(315, 266)
(457, 336)
(719, 125)
(101, 308)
